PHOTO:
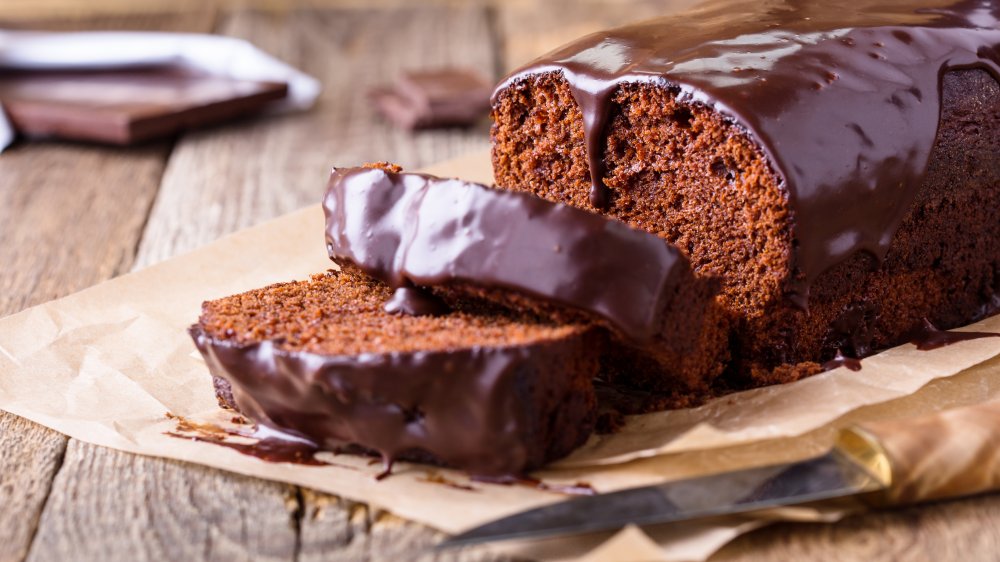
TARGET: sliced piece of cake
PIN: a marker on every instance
(463, 239)
(483, 390)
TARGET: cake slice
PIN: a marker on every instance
(833, 163)
(462, 239)
(481, 390)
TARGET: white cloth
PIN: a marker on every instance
(223, 56)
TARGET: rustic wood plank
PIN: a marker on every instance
(332, 528)
(199, 19)
(75, 9)
(337, 529)
(108, 505)
(31, 456)
(530, 29)
(70, 216)
(227, 178)
(954, 530)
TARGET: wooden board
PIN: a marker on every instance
(70, 216)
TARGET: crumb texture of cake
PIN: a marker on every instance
(834, 164)
(482, 390)
(463, 239)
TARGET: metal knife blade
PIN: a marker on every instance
(829, 476)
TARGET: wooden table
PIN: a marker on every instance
(73, 215)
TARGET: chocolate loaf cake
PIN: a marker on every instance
(834, 163)
(480, 389)
(461, 239)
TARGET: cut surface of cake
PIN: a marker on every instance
(461, 239)
(834, 163)
(482, 390)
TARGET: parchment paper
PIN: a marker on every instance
(106, 366)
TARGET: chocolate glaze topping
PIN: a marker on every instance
(407, 228)
(462, 406)
(843, 96)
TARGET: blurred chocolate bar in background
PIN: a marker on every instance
(448, 97)
(125, 106)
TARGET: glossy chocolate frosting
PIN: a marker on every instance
(413, 228)
(470, 408)
(843, 96)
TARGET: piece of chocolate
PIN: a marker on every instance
(437, 98)
(125, 106)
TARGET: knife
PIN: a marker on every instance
(944, 455)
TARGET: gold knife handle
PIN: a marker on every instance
(949, 454)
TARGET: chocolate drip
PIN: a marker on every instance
(928, 337)
(841, 360)
(415, 302)
(268, 445)
(417, 229)
(593, 106)
(842, 96)
(269, 449)
(387, 464)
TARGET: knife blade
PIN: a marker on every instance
(832, 475)
(948, 454)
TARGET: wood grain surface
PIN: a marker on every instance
(65, 226)
(63, 231)
(74, 215)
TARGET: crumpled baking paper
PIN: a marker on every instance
(106, 365)
(93, 50)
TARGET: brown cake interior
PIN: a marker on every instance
(685, 172)
(340, 313)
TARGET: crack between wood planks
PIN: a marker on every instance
(297, 514)
(493, 28)
(213, 23)
(147, 215)
(60, 461)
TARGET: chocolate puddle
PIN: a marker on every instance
(928, 337)
(268, 445)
